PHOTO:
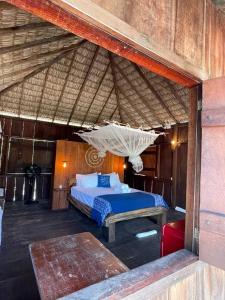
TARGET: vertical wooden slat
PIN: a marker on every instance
(193, 174)
(174, 167)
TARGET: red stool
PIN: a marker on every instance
(172, 237)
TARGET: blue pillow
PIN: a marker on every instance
(104, 181)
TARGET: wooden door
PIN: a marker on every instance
(212, 203)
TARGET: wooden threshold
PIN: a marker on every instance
(164, 272)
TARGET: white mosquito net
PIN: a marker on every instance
(121, 141)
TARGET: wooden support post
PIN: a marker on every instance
(193, 173)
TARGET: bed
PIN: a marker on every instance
(97, 203)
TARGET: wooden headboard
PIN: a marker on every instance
(74, 155)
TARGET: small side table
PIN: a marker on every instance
(59, 199)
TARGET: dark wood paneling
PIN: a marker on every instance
(20, 142)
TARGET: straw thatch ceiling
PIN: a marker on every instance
(49, 74)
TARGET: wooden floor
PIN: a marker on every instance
(23, 224)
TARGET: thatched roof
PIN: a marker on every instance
(49, 74)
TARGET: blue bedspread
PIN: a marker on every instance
(119, 203)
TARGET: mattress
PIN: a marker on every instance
(87, 195)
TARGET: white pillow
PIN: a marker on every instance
(114, 179)
(87, 180)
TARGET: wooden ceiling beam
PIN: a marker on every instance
(36, 56)
(117, 91)
(177, 96)
(145, 101)
(125, 42)
(96, 92)
(113, 113)
(115, 84)
(155, 93)
(40, 69)
(22, 71)
(13, 48)
(42, 92)
(83, 84)
(64, 86)
(106, 102)
(25, 28)
(136, 109)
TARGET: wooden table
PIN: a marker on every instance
(67, 264)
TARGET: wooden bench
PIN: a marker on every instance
(67, 264)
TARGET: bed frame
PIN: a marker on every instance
(109, 225)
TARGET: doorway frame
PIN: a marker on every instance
(69, 16)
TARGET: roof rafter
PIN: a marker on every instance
(145, 101)
(42, 93)
(83, 84)
(176, 95)
(31, 68)
(36, 56)
(26, 27)
(154, 92)
(117, 91)
(93, 99)
(140, 113)
(40, 69)
(113, 113)
(13, 48)
(64, 85)
(115, 84)
(106, 102)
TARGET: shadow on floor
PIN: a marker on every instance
(24, 224)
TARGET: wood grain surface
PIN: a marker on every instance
(67, 264)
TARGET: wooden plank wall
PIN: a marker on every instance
(212, 199)
(74, 154)
(193, 30)
(22, 139)
(172, 163)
